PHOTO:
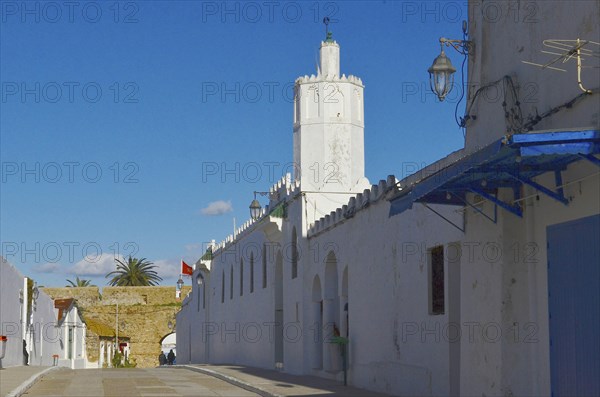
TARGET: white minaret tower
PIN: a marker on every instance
(329, 150)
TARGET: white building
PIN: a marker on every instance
(529, 273)
(325, 257)
(72, 334)
(479, 275)
(12, 314)
(38, 329)
(42, 333)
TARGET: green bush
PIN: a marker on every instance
(129, 364)
(118, 362)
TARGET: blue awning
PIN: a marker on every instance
(507, 163)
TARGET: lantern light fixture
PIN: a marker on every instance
(441, 72)
(255, 207)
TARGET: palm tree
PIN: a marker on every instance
(79, 282)
(134, 272)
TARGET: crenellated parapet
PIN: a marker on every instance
(278, 194)
(306, 79)
(283, 189)
(357, 203)
(329, 126)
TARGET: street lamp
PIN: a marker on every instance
(255, 206)
(179, 283)
(255, 209)
(441, 75)
(200, 280)
(441, 72)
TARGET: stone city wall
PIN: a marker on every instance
(144, 315)
(85, 296)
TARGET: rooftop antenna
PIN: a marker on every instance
(566, 50)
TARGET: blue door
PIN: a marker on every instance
(574, 307)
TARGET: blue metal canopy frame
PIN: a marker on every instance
(510, 162)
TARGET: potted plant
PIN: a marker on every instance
(342, 342)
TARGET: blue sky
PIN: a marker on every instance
(119, 120)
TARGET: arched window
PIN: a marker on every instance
(264, 266)
(294, 253)
(223, 287)
(251, 272)
(241, 277)
(231, 283)
(201, 280)
(198, 293)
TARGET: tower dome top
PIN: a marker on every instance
(329, 38)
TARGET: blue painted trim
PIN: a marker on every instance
(437, 180)
(496, 163)
(510, 208)
(553, 137)
(562, 148)
(593, 159)
(557, 196)
(558, 181)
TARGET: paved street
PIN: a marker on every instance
(277, 383)
(132, 382)
(11, 378)
(183, 380)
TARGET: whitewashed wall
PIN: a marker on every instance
(508, 289)
(78, 359)
(504, 265)
(240, 328)
(505, 34)
(44, 336)
(183, 320)
(395, 346)
(11, 281)
(382, 272)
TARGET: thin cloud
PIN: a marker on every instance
(95, 266)
(216, 208)
(48, 268)
(168, 268)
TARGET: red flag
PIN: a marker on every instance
(186, 269)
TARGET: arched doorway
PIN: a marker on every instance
(331, 314)
(317, 323)
(279, 308)
(169, 342)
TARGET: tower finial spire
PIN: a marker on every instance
(328, 34)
